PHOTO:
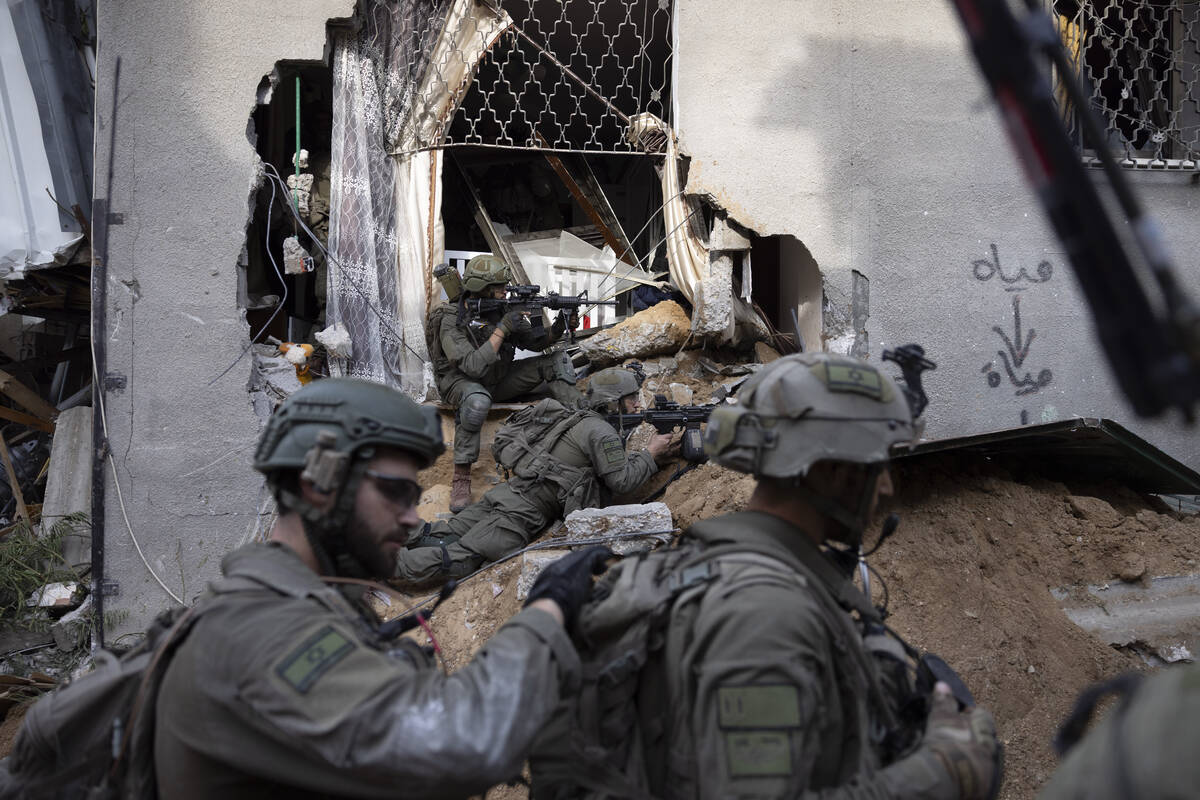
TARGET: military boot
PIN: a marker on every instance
(460, 490)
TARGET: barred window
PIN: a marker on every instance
(1139, 61)
(565, 75)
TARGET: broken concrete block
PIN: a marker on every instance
(713, 300)
(640, 438)
(71, 631)
(653, 519)
(54, 595)
(301, 191)
(725, 237)
(532, 564)
(69, 482)
(296, 260)
(680, 393)
(764, 353)
(336, 340)
(660, 329)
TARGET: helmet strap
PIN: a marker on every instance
(326, 530)
(854, 520)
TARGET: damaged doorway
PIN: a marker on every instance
(282, 274)
(569, 223)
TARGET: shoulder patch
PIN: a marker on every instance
(614, 451)
(305, 665)
(758, 753)
(758, 707)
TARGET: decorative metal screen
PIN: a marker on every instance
(1139, 61)
(559, 74)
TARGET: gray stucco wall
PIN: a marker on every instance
(182, 168)
(864, 130)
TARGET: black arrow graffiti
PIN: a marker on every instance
(1020, 350)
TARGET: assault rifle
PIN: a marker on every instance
(1151, 338)
(666, 416)
(528, 298)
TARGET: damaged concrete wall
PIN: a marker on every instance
(863, 130)
(182, 167)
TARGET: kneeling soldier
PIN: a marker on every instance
(474, 366)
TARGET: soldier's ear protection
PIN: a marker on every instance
(324, 467)
(740, 435)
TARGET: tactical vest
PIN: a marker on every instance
(523, 448)
(608, 740)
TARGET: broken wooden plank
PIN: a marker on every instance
(26, 419)
(22, 511)
(590, 197)
(26, 397)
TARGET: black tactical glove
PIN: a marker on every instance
(510, 322)
(568, 581)
(965, 742)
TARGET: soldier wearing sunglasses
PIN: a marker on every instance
(286, 687)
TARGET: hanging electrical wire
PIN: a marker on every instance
(274, 175)
(282, 302)
(638, 264)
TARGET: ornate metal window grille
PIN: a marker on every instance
(1139, 61)
(565, 75)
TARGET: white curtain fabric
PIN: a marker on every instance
(687, 253)
(397, 79)
(420, 244)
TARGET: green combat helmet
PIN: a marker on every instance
(484, 271)
(327, 432)
(610, 385)
(806, 408)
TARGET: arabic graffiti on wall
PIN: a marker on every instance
(1013, 356)
(1009, 369)
(985, 270)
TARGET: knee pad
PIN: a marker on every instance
(560, 368)
(473, 411)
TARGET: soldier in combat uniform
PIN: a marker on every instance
(474, 366)
(1143, 749)
(577, 463)
(759, 681)
(284, 686)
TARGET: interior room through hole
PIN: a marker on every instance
(554, 213)
(274, 133)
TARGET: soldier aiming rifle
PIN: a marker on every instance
(473, 356)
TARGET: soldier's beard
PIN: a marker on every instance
(375, 550)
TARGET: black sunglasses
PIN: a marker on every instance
(401, 491)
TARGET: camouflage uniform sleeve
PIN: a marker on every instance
(621, 472)
(361, 723)
(472, 361)
(766, 717)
